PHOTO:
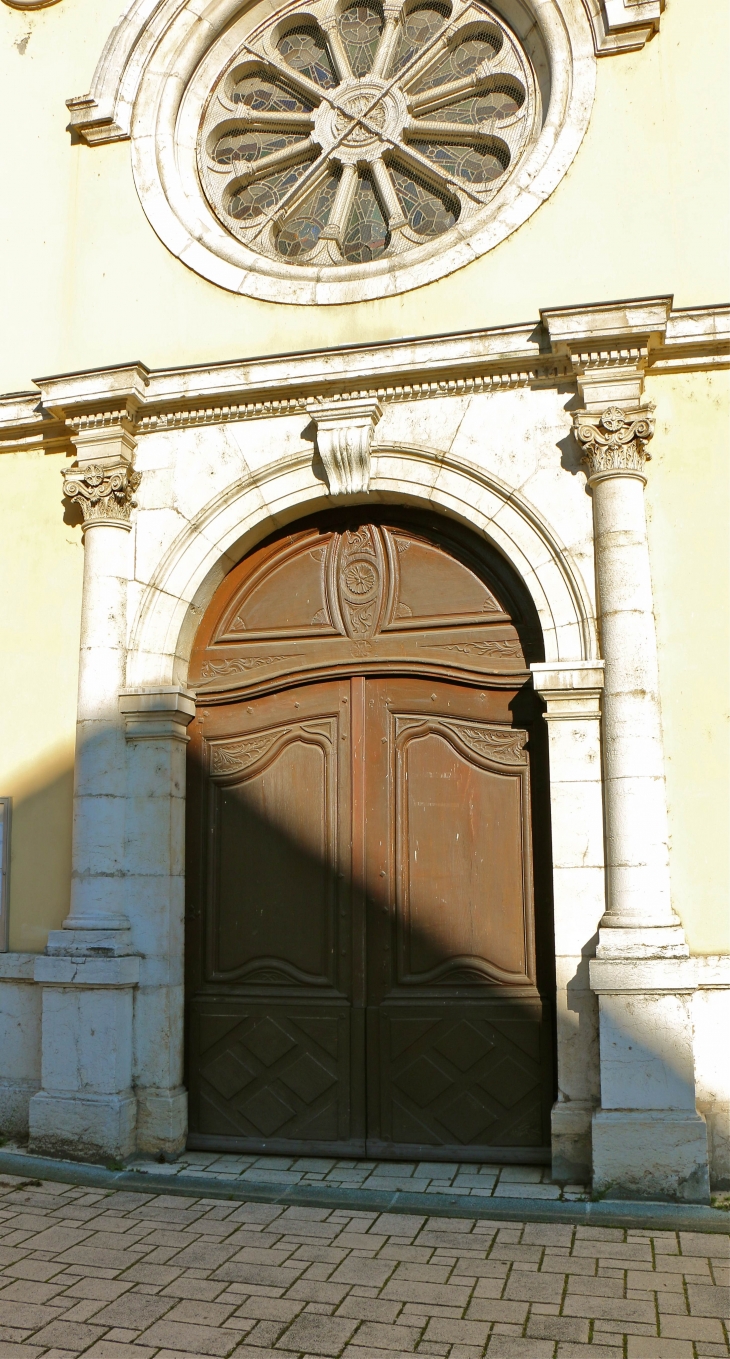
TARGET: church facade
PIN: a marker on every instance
(365, 649)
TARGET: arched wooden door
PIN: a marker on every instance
(368, 929)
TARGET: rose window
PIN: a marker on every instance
(351, 132)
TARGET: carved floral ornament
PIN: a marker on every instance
(105, 494)
(615, 441)
(340, 150)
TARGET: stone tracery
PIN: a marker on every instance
(351, 134)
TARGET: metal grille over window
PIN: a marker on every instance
(353, 132)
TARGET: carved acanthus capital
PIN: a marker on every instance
(105, 494)
(615, 441)
(344, 439)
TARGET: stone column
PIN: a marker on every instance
(572, 693)
(86, 1108)
(648, 1140)
(156, 721)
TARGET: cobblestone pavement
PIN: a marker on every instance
(416, 1177)
(132, 1276)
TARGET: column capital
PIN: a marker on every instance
(105, 493)
(614, 442)
(571, 689)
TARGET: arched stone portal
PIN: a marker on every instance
(369, 943)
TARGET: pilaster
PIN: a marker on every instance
(572, 693)
(648, 1139)
(155, 724)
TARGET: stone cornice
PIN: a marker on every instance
(621, 341)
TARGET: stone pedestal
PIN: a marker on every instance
(85, 1109)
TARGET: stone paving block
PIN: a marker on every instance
(379, 1335)
(26, 1315)
(535, 1287)
(404, 1290)
(206, 1290)
(360, 1352)
(134, 1310)
(191, 1339)
(709, 1301)
(58, 1238)
(704, 1243)
(357, 1270)
(658, 1281)
(270, 1309)
(514, 1347)
(25, 1290)
(112, 1349)
(264, 1333)
(157, 1274)
(598, 1287)
(100, 1259)
(470, 1332)
(493, 1309)
(567, 1350)
(68, 1335)
(204, 1255)
(368, 1309)
(647, 1348)
(317, 1335)
(318, 1292)
(422, 1273)
(32, 1269)
(692, 1328)
(614, 1309)
(558, 1328)
(278, 1276)
(9, 1350)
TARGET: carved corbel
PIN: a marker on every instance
(105, 494)
(615, 441)
(344, 439)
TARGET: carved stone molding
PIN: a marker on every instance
(105, 494)
(615, 441)
(623, 25)
(344, 439)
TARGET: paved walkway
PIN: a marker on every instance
(138, 1276)
(416, 1177)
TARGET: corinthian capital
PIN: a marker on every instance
(105, 494)
(615, 441)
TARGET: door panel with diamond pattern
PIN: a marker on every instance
(368, 946)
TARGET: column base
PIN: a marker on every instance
(571, 1142)
(83, 1127)
(162, 1122)
(658, 1154)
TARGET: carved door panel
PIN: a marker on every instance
(459, 1040)
(276, 1053)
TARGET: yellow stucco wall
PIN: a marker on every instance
(41, 565)
(688, 505)
(86, 283)
(643, 210)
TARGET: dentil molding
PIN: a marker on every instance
(606, 349)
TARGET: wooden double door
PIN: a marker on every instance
(365, 976)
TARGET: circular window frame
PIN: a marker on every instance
(169, 114)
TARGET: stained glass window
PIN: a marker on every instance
(366, 235)
(301, 233)
(233, 147)
(481, 108)
(305, 49)
(360, 27)
(475, 163)
(261, 92)
(418, 27)
(372, 154)
(251, 202)
(428, 213)
(461, 61)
